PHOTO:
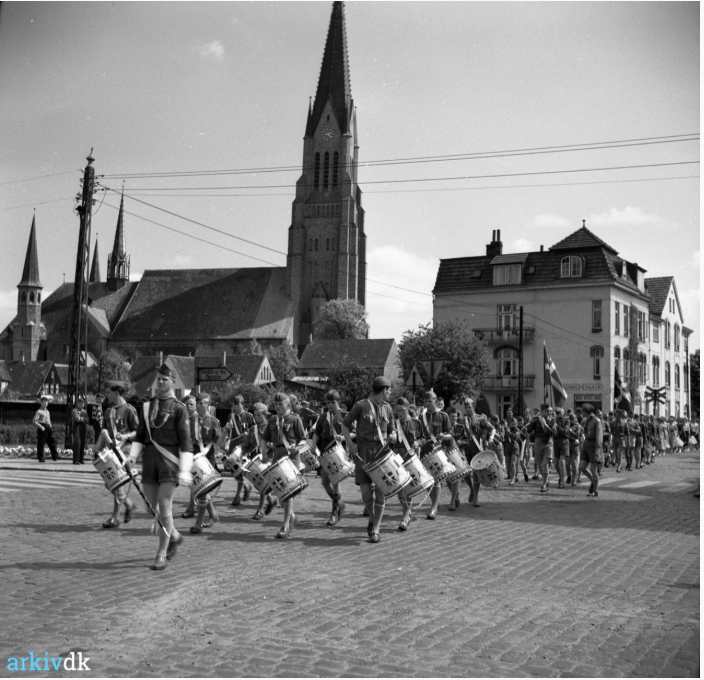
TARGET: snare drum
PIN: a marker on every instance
(205, 477)
(388, 474)
(335, 463)
(307, 456)
(255, 471)
(459, 460)
(486, 466)
(284, 479)
(438, 465)
(235, 461)
(421, 479)
(111, 469)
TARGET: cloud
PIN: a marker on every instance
(213, 50)
(549, 221)
(630, 216)
(182, 260)
(136, 276)
(522, 245)
(392, 311)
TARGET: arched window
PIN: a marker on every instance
(596, 352)
(677, 338)
(31, 296)
(677, 376)
(507, 362)
(617, 358)
(571, 267)
(626, 364)
(316, 171)
(667, 373)
(326, 169)
(642, 368)
(39, 297)
(23, 296)
(668, 337)
(335, 161)
(656, 372)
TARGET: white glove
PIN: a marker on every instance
(185, 477)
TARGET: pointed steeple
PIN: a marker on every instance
(95, 266)
(118, 248)
(334, 81)
(30, 272)
(119, 260)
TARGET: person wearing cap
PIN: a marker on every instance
(164, 439)
(373, 418)
(562, 445)
(239, 431)
(620, 434)
(543, 428)
(79, 421)
(575, 434)
(45, 434)
(407, 444)
(328, 432)
(95, 416)
(120, 428)
(592, 449)
(257, 446)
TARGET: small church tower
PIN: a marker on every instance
(326, 241)
(27, 327)
(94, 266)
(119, 260)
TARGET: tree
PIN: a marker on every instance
(112, 365)
(341, 320)
(466, 360)
(223, 393)
(352, 381)
(283, 360)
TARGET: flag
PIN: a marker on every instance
(554, 392)
(622, 397)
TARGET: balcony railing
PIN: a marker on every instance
(508, 382)
(494, 336)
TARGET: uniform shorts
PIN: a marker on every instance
(156, 470)
(367, 451)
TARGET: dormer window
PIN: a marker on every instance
(571, 267)
(507, 274)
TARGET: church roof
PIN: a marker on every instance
(30, 271)
(244, 367)
(658, 289)
(334, 80)
(174, 304)
(327, 354)
(582, 238)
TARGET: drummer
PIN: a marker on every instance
(255, 445)
(327, 432)
(374, 419)
(282, 433)
(165, 439)
(468, 435)
(407, 443)
(436, 429)
(238, 430)
(120, 427)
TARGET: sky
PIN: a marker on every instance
(159, 87)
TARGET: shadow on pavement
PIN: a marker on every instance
(53, 565)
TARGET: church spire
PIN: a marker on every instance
(334, 81)
(118, 248)
(119, 260)
(95, 266)
(30, 272)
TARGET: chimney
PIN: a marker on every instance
(495, 247)
(542, 249)
(224, 358)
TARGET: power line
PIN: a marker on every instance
(454, 178)
(35, 177)
(501, 153)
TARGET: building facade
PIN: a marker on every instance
(593, 310)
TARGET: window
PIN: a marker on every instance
(667, 373)
(617, 318)
(656, 372)
(642, 368)
(596, 352)
(316, 245)
(571, 267)
(327, 244)
(626, 364)
(617, 358)
(326, 169)
(641, 326)
(31, 296)
(507, 362)
(316, 172)
(596, 316)
(507, 274)
(626, 310)
(656, 332)
(677, 338)
(677, 376)
(667, 335)
(335, 161)
(507, 318)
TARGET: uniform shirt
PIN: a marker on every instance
(435, 424)
(169, 425)
(329, 426)
(284, 431)
(42, 417)
(122, 418)
(208, 430)
(543, 430)
(411, 431)
(368, 416)
(239, 424)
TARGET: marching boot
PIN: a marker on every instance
(197, 528)
(190, 510)
(406, 519)
(214, 517)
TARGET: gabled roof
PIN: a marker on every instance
(28, 378)
(582, 238)
(658, 289)
(244, 367)
(30, 271)
(325, 354)
(334, 80)
(174, 304)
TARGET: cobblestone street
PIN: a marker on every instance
(528, 584)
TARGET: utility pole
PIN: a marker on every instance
(519, 408)
(79, 322)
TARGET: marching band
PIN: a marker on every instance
(400, 450)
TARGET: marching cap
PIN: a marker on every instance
(380, 383)
(165, 370)
(588, 408)
(45, 397)
(117, 385)
(402, 401)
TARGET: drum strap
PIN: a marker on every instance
(382, 441)
(402, 436)
(471, 434)
(164, 452)
(282, 435)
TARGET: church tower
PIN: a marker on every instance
(119, 260)
(95, 266)
(326, 242)
(27, 327)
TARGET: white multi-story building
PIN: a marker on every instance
(595, 312)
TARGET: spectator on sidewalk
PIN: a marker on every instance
(45, 435)
(79, 422)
